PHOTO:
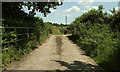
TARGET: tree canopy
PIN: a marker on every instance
(13, 10)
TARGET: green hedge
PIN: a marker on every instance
(17, 49)
(98, 38)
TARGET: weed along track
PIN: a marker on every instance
(57, 53)
(58, 45)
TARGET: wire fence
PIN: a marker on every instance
(22, 34)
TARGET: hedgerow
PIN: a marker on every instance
(13, 49)
(98, 34)
(21, 31)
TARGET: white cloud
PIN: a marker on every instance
(31, 7)
(25, 6)
(107, 0)
(88, 7)
(83, 11)
(57, 14)
(94, 7)
(85, 2)
(94, 0)
(51, 21)
(56, 22)
(117, 8)
(68, 15)
(60, 1)
(73, 9)
(52, 11)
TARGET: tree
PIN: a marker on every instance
(13, 9)
(43, 7)
(100, 8)
(113, 11)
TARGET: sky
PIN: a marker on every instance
(73, 9)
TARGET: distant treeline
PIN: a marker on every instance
(61, 27)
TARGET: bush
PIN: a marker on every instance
(14, 49)
(98, 38)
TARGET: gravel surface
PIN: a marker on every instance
(57, 53)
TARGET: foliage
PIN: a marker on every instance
(29, 32)
(115, 20)
(16, 49)
(98, 34)
(62, 27)
(14, 9)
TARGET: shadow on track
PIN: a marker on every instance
(78, 66)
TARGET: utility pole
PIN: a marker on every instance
(66, 19)
(119, 6)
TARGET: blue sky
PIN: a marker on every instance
(74, 9)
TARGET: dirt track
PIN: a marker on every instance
(57, 53)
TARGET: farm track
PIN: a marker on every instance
(58, 53)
